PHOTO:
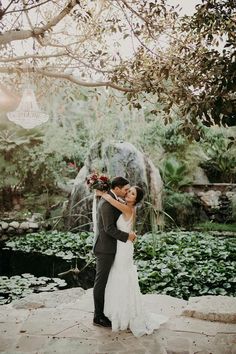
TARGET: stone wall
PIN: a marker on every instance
(216, 200)
(10, 228)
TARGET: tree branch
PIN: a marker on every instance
(133, 11)
(68, 77)
(11, 36)
(33, 56)
(20, 10)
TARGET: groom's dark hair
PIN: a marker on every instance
(119, 182)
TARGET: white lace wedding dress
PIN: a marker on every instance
(123, 299)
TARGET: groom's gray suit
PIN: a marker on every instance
(105, 245)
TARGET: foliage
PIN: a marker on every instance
(31, 162)
(181, 208)
(174, 138)
(162, 138)
(178, 206)
(214, 25)
(10, 142)
(174, 174)
(22, 285)
(28, 168)
(66, 245)
(179, 264)
(220, 150)
(174, 147)
(213, 226)
(196, 72)
(193, 70)
(187, 264)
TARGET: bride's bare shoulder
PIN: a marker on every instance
(130, 213)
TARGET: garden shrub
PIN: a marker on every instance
(184, 264)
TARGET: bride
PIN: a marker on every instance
(123, 299)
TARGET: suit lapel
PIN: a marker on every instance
(113, 195)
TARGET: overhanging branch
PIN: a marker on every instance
(68, 77)
(33, 56)
(11, 36)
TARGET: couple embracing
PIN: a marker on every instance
(117, 297)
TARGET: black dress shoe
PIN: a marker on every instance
(107, 320)
(102, 322)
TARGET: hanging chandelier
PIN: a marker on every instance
(28, 114)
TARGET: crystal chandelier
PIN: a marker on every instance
(28, 114)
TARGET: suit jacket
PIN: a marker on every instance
(107, 233)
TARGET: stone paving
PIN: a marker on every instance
(61, 322)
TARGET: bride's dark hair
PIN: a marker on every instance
(140, 194)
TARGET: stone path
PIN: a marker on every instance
(61, 322)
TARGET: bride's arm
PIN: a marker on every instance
(125, 209)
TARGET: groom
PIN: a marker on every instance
(105, 245)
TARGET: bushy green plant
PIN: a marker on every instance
(187, 264)
(181, 207)
(176, 204)
(66, 245)
(220, 164)
(12, 174)
(214, 226)
(32, 163)
(174, 138)
(174, 174)
(161, 139)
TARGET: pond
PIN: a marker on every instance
(39, 272)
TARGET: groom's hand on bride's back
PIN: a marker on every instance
(132, 236)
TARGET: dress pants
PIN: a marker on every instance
(103, 266)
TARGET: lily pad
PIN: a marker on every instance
(17, 287)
